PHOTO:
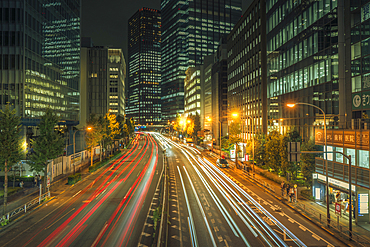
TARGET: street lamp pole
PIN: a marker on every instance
(326, 158)
(220, 139)
(252, 139)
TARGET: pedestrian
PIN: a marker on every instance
(35, 181)
(282, 188)
(21, 184)
(287, 190)
(291, 194)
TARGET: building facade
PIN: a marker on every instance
(246, 47)
(191, 31)
(192, 91)
(144, 64)
(214, 102)
(40, 58)
(317, 54)
(103, 75)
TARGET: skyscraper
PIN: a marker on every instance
(103, 75)
(39, 58)
(144, 63)
(191, 31)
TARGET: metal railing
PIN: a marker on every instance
(24, 208)
(320, 218)
(334, 226)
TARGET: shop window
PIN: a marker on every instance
(351, 152)
(339, 157)
(330, 155)
(363, 158)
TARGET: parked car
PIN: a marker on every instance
(222, 163)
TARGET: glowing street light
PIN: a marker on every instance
(291, 105)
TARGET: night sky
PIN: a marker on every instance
(106, 21)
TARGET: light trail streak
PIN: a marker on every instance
(201, 208)
(60, 228)
(191, 228)
(262, 209)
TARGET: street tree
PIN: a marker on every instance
(272, 148)
(234, 137)
(112, 129)
(197, 127)
(94, 135)
(11, 151)
(308, 161)
(48, 145)
(177, 125)
(259, 148)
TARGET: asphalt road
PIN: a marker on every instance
(211, 206)
(109, 208)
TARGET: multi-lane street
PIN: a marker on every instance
(213, 206)
(106, 209)
(208, 206)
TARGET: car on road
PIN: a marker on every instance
(222, 163)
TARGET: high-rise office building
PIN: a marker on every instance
(192, 91)
(191, 31)
(247, 67)
(214, 102)
(103, 75)
(40, 61)
(144, 63)
(40, 58)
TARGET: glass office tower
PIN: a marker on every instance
(191, 31)
(144, 62)
(39, 57)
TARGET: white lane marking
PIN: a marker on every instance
(100, 233)
(190, 218)
(77, 193)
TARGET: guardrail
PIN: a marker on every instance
(25, 207)
(319, 218)
(163, 229)
(334, 226)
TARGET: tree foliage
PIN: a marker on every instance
(48, 145)
(11, 151)
(308, 161)
(272, 154)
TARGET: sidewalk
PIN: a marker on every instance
(24, 196)
(314, 211)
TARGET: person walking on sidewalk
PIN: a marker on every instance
(287, 191)
(282, 188)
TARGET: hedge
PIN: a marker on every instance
(72, 179)
(11, 191)
(17, 178)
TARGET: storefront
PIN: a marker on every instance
(354, 143)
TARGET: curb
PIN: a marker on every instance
(299, 212)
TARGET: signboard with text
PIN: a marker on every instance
(361, 100)
(344, 138)
(338, 208)
(363, 204)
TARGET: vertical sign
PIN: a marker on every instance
(363, 204)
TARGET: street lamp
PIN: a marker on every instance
(291, 105)
(252, 140)
(235, 115)
(92, 148)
